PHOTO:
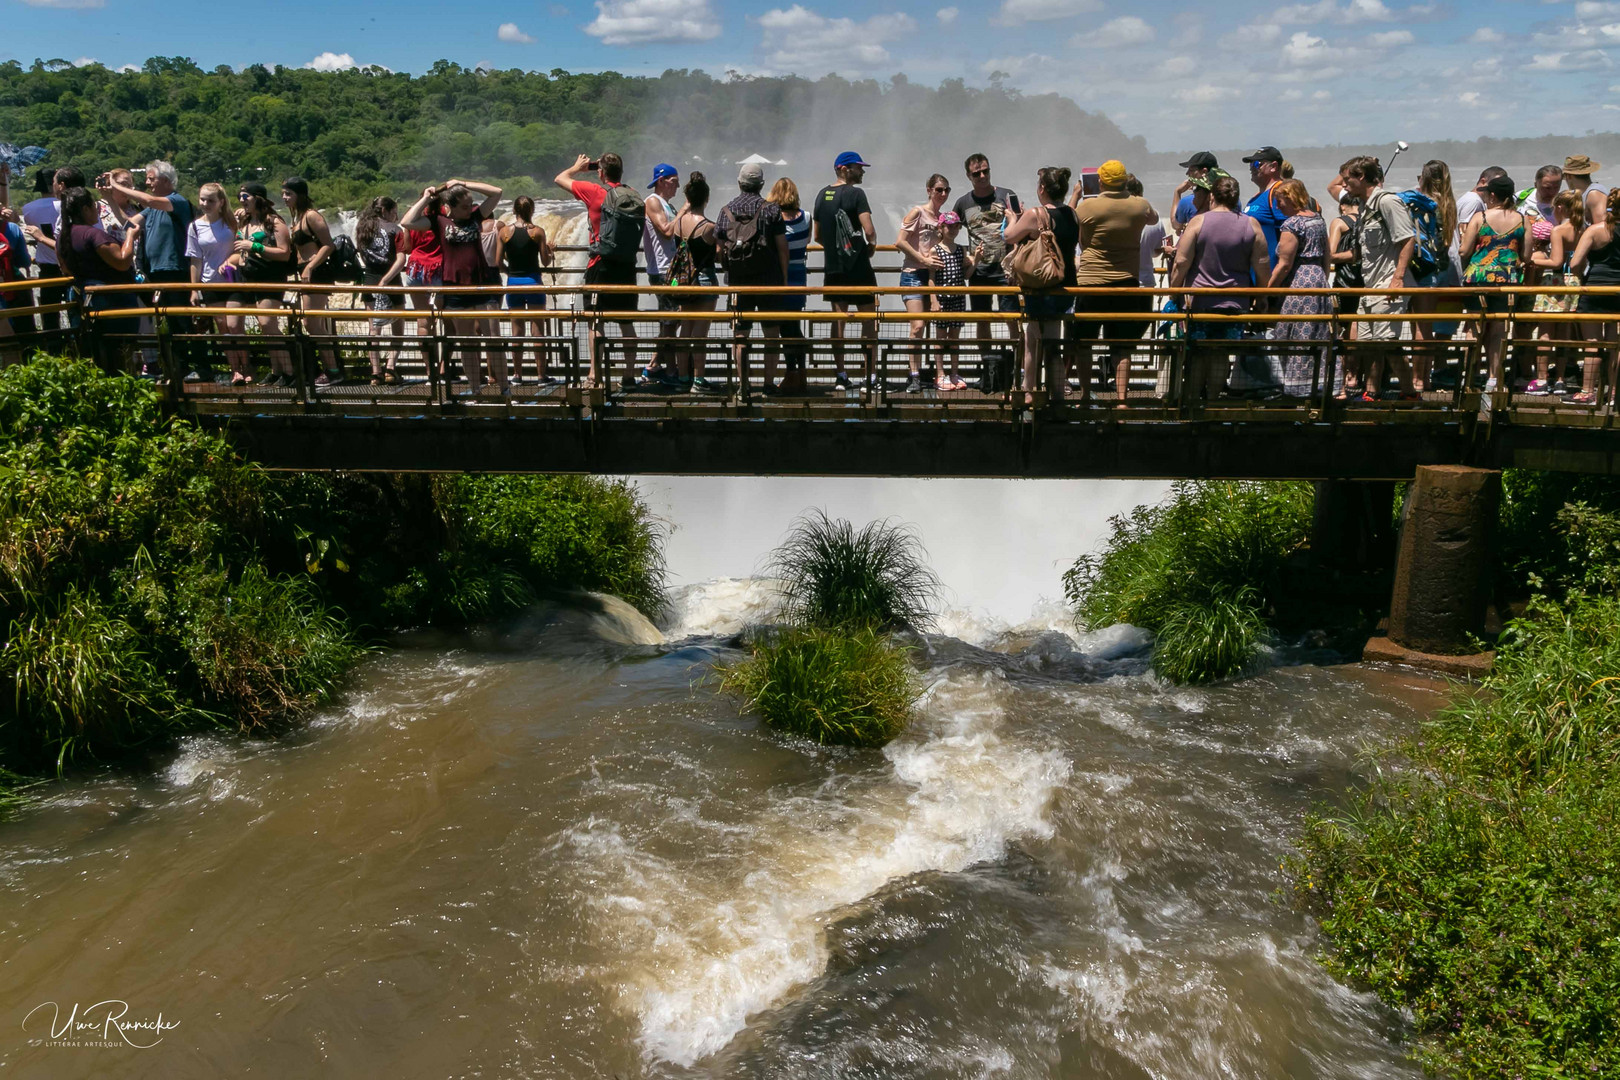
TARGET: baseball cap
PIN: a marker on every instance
(849, 157)
(948, 217)
(255, 188)
(751, 177)
(1500, 186)
(662, 171)
(1265, 153)
(1207, 181)
(1201, 160)
(1111, 174)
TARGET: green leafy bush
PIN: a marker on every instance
(1200, 570)
(850, 687)
(1476, 882)
(834, 574)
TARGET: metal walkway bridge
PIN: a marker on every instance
(1137, 412)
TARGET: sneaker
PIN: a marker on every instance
(1537, 388)
(914, 385)
(700, 385)
(841, 381)
(548, 380)
(628, 383)
(506, 392)
(192, 376)
(323, 380)
(1559, 387)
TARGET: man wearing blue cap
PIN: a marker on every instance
(658, 245)
(844, 230)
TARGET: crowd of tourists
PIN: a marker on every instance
(1101, 235)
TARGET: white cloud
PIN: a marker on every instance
(946, 15)
(1356, 11)
(1486, 35)
(1252, 34)
(647, 22)
(1292, 95)
(1017, 12)
(1584, 60)
(1596, 9)
(1018, 67)
(1469, 98)
(1175, 67)
(509, 32)
(1114, 34)
(331, 61)
(1322, 95)
(1390, 38)
(85, 61)
(1207, 94)
(807, 42)
(1306, 50)
(67, 5)
(124, 69)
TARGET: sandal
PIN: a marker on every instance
(1583, 399)
(239, 380)
(390, 377)
(376, 380)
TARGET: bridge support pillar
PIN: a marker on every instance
(1352, 529)
(1443, 570)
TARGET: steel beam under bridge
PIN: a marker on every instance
(1192, 449)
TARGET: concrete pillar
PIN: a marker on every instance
(1352, 529)
(1443, 570)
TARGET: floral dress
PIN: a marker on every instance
(1308, 273)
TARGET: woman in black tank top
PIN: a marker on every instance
(524, 249)
(696, 234)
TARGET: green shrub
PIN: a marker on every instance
(559, 533)
(843, 686)
(1200, 570)
(1476, 881)
(836, 575)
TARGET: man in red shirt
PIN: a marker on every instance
(599, 271)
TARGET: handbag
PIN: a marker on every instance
(1036, 263)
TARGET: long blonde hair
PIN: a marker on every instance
(225, 213)
(785, 194)
(1435, 182)
(1573, 204)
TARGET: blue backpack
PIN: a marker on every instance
(1429, 255)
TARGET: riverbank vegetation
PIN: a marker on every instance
(152, 582)
(1475, 881)
(834, 673)
(1200, 569)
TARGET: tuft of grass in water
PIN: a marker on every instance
(1200, 570)
(834, 574)
(840, 686)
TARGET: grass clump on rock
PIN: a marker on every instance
(1200, 570)
(834, 673)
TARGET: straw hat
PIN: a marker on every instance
(1581, 165)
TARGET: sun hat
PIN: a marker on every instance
(1112, 174)
(1580, 165)
(660, 172)
(1207, 181)
(850, 157)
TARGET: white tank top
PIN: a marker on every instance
(658, 249)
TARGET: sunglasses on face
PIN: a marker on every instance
(942, 191)
(978, 172)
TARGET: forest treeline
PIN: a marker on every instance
(355, 132)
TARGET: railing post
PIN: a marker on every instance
(165, 347)
(300, 348)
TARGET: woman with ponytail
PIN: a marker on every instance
(1597, 262)
(377, 240)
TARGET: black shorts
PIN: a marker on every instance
(1129, 299)
(989, 301)
(852, 278)
(756, 302)
(611, 273)
(1601, 303)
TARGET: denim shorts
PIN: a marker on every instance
(914, 279)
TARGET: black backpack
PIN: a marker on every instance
(344, 263)
(624, 216)
(747, 250)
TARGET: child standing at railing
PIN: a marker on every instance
(954, 266)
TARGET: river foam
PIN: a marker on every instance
(704, 947)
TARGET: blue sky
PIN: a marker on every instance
(1247, 72)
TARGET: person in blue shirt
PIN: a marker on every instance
(14, 256)
(1265, 169)
(166, 217)
(1197, 166)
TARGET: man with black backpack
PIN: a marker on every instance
(753, 248)
(844, 230)
(617, 216)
